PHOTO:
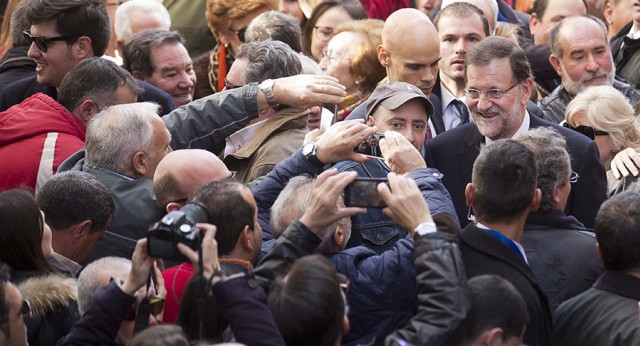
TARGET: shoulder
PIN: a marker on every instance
(46, 292)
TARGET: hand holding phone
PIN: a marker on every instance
(363, 192)
(370, 146)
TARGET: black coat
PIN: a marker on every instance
(483, 254)
(16, 65)
(454, 152)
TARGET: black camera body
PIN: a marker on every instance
(177, 227)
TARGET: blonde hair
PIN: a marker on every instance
(608, 110)
(363, 59)
(220, 13)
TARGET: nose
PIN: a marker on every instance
(186, 81)
(592, 64)
(482, 104)
(33, 51)
(428, 76)
(408, 134)
(460, 46)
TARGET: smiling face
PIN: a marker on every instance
(457, 36)
(173, 72)
(52, 65)
(501, 117)
(586, 56)
(556, 11)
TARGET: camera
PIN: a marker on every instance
(370, 146)
(363, 192)
(177, 227)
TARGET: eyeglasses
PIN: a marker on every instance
(156, 306)
(585, 130)
(323, 33)
(25, 310)
(43, 42)
(574, 178)
(241, 33)
(332, 59)
(491, 94)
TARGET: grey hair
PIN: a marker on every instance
(276, 26)
(122, 20)
(19, 23)
(552, 160)
(554, 34)
(116, 133)
(291, 203)
(96, 275)
(268, 60)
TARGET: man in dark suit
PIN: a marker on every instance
(499, 85)
(502, 193)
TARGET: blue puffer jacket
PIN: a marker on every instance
(376, 230)
(382, 292)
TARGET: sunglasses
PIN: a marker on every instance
(43, 42)
(25, 310)
(586, 130)
(240, 33)
(156, 305)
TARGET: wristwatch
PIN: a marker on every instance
(309, 151)
(267, 89)
(426, 228)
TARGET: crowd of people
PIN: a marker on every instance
(320, 172)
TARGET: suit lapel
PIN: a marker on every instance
(466, 156)
(436, 118)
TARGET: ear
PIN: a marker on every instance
(173, 206)
(371, 121)
(608, 13)
(535, 201)
(493, 336)
(80, 230)
(120, 47)
(86, 111)
(248, 239)
(598, 251)
(82, 48)
(137, 75)
(383, 56)
(557, 64)
(527, 89)
(555, 195)
(339, 237)
(468, 194)
(139, 162)
(533, 22)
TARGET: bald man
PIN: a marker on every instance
(410, 53)
(181, 172)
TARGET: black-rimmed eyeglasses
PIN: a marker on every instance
(42, 42)
(240, 33)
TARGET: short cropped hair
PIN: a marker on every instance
(137, 51)
(309, 307)
(504, 181)
(495, 303)
(276, 26)
(97, 275)
(122, 20)
(74, 18)
(116, 133)
(555, 33)
(462, 10)
(495, 48)
(552, 161)
(228, 210)
(290, 204)
(268, 60)
(97, 79)
(617, 229)
(69, 198)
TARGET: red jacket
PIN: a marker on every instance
(35, 137)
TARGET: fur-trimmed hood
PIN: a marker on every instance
(46, 292)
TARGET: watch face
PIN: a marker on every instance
(307, 149)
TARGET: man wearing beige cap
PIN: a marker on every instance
(400, 111)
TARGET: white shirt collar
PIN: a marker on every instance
(524, 255)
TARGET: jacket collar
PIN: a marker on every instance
(619, 283)
(555, 219)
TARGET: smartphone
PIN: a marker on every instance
(363, 192)
(370, 146)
